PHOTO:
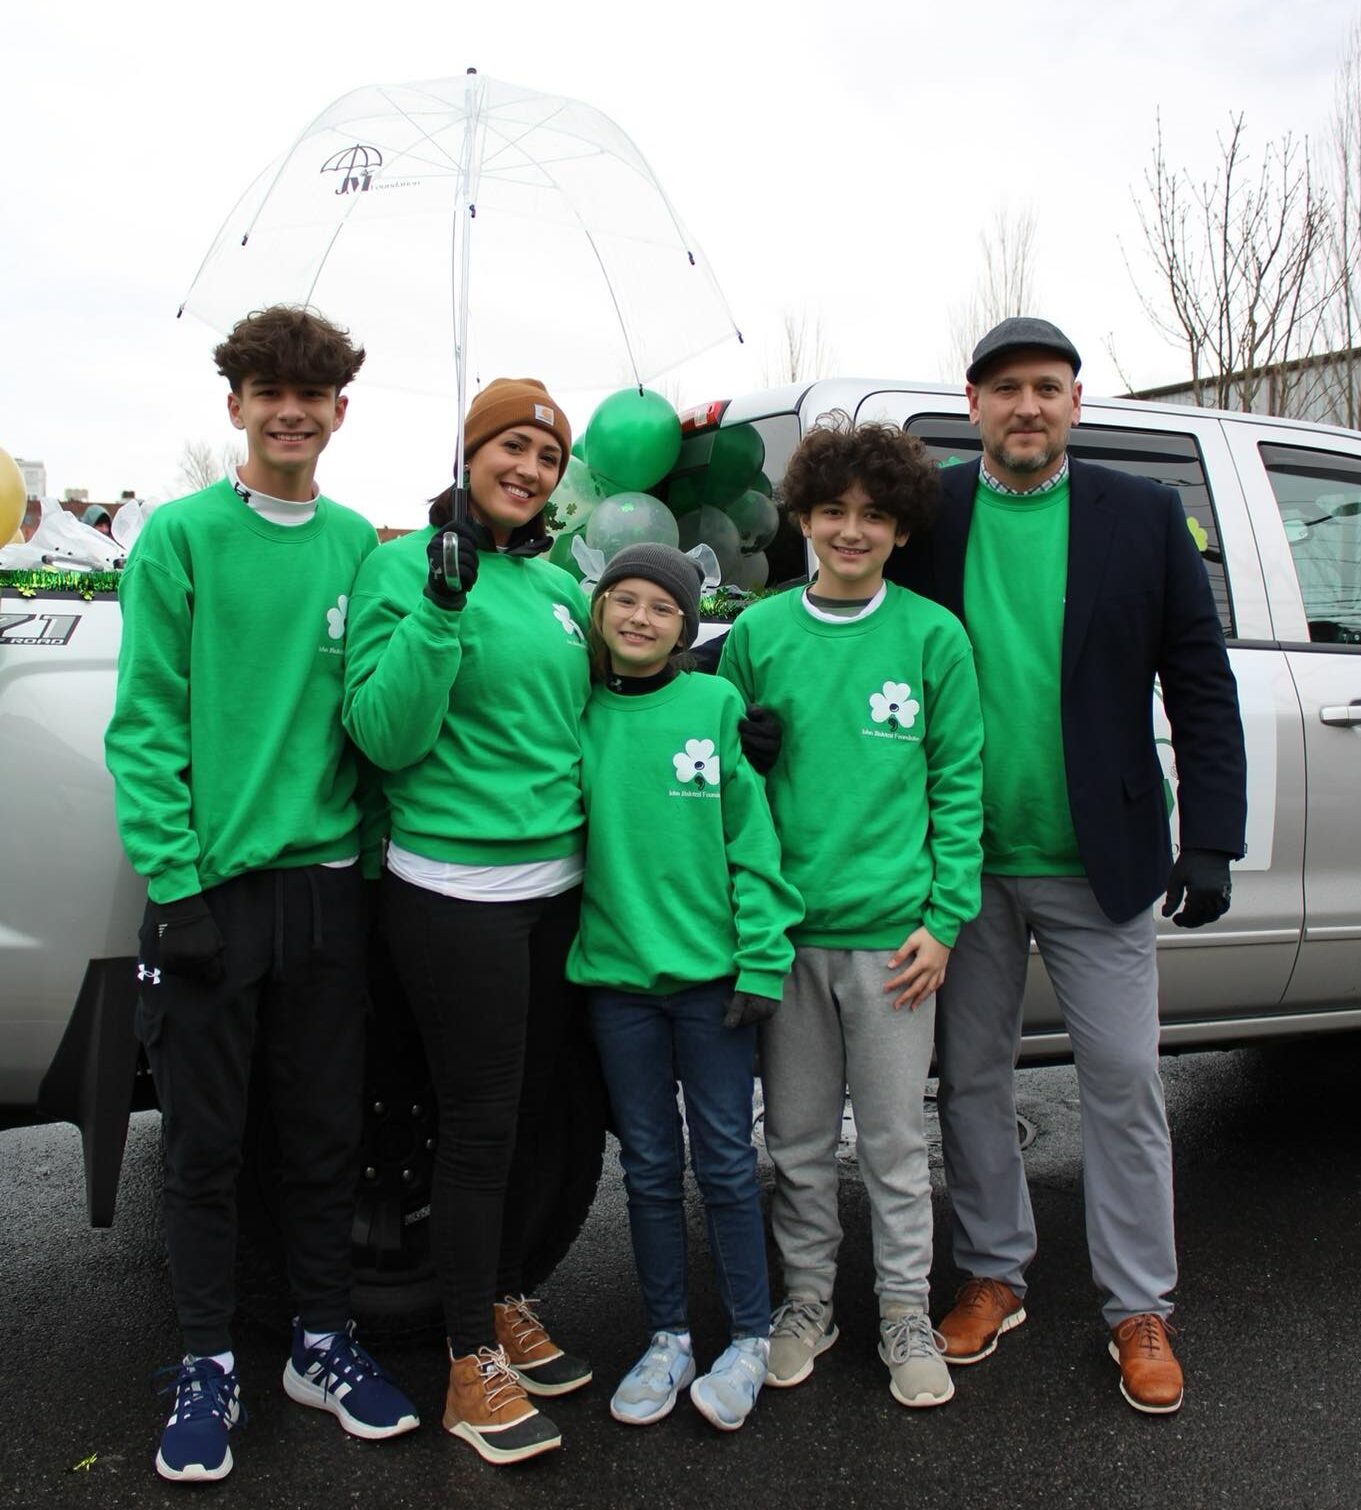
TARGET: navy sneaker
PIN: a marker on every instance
(207, 1406)
(339, 1376)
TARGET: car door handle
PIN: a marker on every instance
(1351, 714)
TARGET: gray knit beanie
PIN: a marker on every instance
(681, 575)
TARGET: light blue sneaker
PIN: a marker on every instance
(648, 1391)
(726, 1394)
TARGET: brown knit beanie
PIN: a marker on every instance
(507, 402)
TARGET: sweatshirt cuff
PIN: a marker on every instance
(442, 624)
(173, 885)
(942, 926)
(767, 983)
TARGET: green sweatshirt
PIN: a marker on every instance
(1015, 580)
(876, 793)
(225, 745)
(473, 716)
(683, 881)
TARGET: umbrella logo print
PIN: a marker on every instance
(356, 165)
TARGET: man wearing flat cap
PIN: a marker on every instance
(1078, 586)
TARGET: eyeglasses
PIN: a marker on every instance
(659, 612)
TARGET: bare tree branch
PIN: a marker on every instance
(1006, 285)
(802, 351)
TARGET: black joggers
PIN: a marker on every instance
(295, 979)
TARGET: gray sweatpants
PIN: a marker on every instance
(837, 1028)
(1106, 980)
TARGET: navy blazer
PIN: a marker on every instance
(1138, 604)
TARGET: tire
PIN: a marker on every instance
(395, 1290)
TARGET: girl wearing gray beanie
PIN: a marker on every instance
(683, 949)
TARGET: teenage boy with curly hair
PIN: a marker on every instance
(235, 794)
(877, 797)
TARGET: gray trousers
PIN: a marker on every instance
(837, 1028)
(1105, 977)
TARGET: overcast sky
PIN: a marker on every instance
(832, 158)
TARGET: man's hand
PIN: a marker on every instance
(438, 586)
(744, 1009)
(923, 976)
(761, 737)
(190, 941)
(1202, 876)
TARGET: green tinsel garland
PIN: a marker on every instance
(87, 584)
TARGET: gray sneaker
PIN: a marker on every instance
(913, 1352)
(799, 1330)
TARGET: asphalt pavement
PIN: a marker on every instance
(1269, 1216)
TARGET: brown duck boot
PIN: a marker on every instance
(538, 1362)
(983, 1310)
(1150, 1376)
(488, 1409)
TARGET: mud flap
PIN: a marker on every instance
(90, 1079)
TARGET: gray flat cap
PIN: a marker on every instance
(1021, 333)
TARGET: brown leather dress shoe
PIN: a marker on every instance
(983, 1310)
(1150, 1376)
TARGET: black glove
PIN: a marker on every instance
(1202, 875)
(437, 587)
(744, 1009)
(761, 737)
(190, 941)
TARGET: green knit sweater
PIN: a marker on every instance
(876, 793)
(473, 716)
(1015, 580)
(683, 881)
(225, 745)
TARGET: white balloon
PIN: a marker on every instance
(630, 519)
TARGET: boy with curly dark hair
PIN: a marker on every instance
(235, 792)
(877, 797)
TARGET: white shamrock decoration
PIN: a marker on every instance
(335, 618)
(894, 706)
(697, 763)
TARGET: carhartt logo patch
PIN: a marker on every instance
(544, 415)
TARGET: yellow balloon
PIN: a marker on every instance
(18, 538)
(13, 495)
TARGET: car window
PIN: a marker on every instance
(1318, 494)
(1164, 456)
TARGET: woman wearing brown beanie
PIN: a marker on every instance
(466, 675)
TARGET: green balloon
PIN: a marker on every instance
(735, 458)
(579, 448)
(762, 484)
(685, 493)
(710, 526)
(560, 553)
(576, 496)
(634, 437)
(757, 520)
(630, 519)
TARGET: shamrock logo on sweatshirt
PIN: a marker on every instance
(563, 615)
(894, 706)
(697, 763)
(335, 618)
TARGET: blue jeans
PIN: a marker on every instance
(646, 1044)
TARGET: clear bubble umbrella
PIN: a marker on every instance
(467, 227)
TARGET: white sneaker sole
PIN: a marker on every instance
(819, 1348)
(709, 1410)
(194, 1473)
(1009, 1325)
(304, 1392)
